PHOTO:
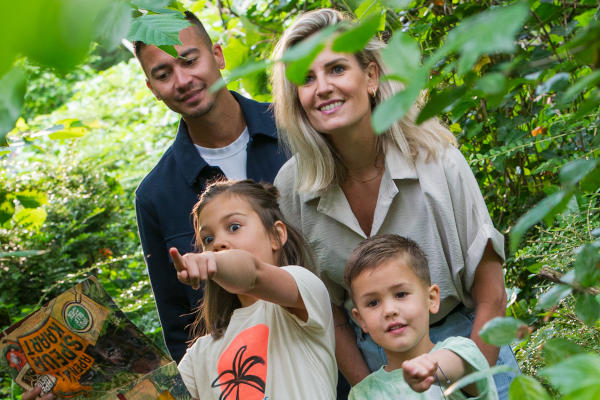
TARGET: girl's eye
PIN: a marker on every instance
(337, 69)
(206, 240)
(234, 227)
(401, 295)
(372, 303)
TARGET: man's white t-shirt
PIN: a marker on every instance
(267, 352)
(231, 158)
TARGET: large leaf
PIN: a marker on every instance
(397, 106)
(356, 39)
(582, 84)
(525, 387)
(501, 330)
(150, 4)
(113, 24)
(12, 94)
(558, 349)
(575, 171)
(576, 374)
(32, 218)
(587, 308)
(492, 31)
(158, 29)
(300, 57)
(244, 70)
(546, 208)
(587, 267)
(402, 56)
(476, 376)
(440, 102)
(31, 198)
(553, 296)
(7, 209)
(22, 253)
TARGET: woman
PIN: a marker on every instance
(345, 184)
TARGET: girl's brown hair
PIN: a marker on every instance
(214, 313)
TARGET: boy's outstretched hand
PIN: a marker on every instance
(194, 268)
(419, 372)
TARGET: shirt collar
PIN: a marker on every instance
(259, 120)
(397, 165)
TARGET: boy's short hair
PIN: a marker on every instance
(374, 251)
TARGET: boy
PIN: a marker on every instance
(388, 279)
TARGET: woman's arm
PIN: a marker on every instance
(239, 272)
(349, 358)
(489, 296)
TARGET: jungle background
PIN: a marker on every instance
(517, 82)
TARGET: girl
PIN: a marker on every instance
(345, 184)
(267, 332)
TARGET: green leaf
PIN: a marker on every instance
(553, 296)
(558, 349)
(402, 56)
(159, 29)
(147, 4)
(441, 102)
(397, 4)
(12, 95)
(397, 106)
(587, 308)
(355, 39)
(244, 70)
(301, 56)
(170, 50)
(68, 133)
(575, 374)
(113, 24)
(591, 182)
(369, 8)
(582, 84)
(492, 31)
(575, 171)
(546, 208)
(31, 198)
(476, 376)
(555, 84)
(492, 83)
(22, 253)
(32, 218)
(587, 269)
(7, 209)
(525, 387)
(501, 330)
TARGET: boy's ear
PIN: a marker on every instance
(434, 299)
(361, 322)
(279, 236)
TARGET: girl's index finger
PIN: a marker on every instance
(177, 259)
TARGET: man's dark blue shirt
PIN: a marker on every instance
(164, 201)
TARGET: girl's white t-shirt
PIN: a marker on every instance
(231, 158)
(267, 352)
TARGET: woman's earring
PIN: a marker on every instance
(373, 93)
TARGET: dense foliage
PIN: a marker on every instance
(517, 82)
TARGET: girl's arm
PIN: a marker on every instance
(420, 372)
(239, 272)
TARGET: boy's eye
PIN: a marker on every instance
(401, 295)
(234, 227)
(206, 240)
(189, 61)
(373, 303)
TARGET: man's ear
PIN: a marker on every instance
(152, 90)
(279, 236)
(434, 299)
(361, 322)
(217, 51)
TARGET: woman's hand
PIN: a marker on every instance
(194, 268)
(34, 393)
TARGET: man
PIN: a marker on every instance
(220, 134)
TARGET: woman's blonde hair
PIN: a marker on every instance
(317, 161)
